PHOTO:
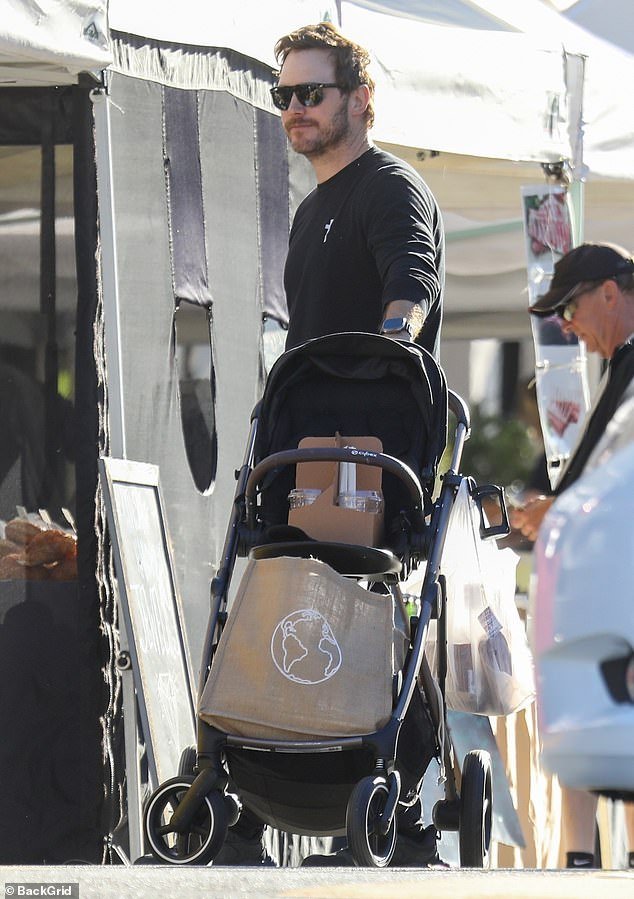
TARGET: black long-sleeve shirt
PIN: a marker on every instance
(369, 235)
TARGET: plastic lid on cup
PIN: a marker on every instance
(362, 501)
(302, 496)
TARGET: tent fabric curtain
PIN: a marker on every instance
(146, 272)
(23, 109)
(48, 285)
(186, 217)
(271, 169)
(249, 184)
(53, 636)
(193, 68)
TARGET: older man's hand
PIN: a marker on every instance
(528, 519)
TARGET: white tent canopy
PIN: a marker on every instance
(478, 192)
(608, 114)
(435, 92)
(483, 78)
(609, 19)
(446, 97)
(52, 41)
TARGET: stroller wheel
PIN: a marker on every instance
(187, 761)
(369, 847)
(476, 810)
(233, 808)
(205, 835)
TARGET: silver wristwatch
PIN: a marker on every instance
(393, 326)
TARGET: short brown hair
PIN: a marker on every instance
(625, 282)
(351, 60)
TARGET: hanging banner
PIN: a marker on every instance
(563, 394)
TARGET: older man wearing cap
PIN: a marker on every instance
(592, 291)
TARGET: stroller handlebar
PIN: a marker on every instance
(331, 454)
(460, 409)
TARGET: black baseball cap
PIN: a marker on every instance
(588, 262)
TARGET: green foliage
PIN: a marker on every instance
(499, 451)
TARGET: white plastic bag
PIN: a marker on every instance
(489, 664)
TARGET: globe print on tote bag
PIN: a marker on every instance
(304, 648)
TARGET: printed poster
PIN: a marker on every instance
(563, 395)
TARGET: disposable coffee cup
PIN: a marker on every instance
(302, 497)
(361, 501)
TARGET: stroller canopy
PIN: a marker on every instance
(355, 384)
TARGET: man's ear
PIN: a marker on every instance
(611, 293)
(359, 99)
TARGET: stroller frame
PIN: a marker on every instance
(199, 800)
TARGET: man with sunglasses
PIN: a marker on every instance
(366, 253)
(366, 248)
(592, 292)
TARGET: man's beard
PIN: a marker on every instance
(328, 137)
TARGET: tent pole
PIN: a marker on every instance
(109, 273)
(116, 435)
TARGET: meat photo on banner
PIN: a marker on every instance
(563, 395)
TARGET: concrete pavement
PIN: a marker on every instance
(149, 882)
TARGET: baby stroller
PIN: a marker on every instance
(353, 784)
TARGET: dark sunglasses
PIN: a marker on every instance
(310, 94)
(570, 301)
(567, 310)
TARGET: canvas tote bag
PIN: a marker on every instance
(305, 653)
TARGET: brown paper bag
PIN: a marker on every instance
(305, 653)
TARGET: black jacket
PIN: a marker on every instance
(621, 373)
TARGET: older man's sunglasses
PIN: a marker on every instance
(570, 301)
(310, 94)
(567, 310)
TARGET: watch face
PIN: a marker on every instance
(394, 325)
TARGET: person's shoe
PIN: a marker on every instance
(416, 848)
(341, 859)
(579, 860)
(241, 850)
